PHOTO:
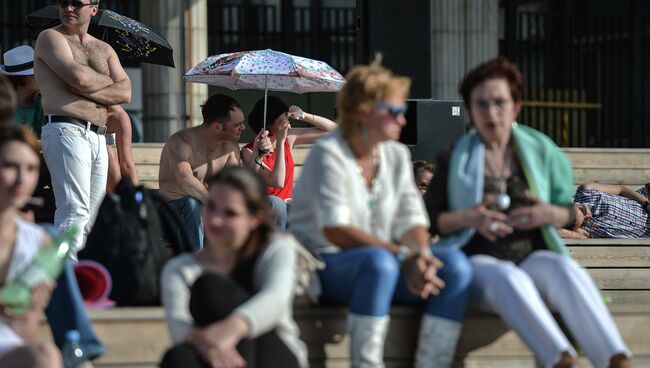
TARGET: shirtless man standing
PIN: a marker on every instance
(79, 77)
(195, 154)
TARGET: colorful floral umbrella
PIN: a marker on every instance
(131, 40)
(267, 70)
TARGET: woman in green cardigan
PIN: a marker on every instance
(499, 195)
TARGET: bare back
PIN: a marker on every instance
(186, 162)
(58, 98)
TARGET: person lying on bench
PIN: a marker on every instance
(609, 211)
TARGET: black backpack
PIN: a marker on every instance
(127, 239)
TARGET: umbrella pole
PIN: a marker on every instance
(266, 92)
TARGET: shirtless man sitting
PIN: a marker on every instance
(79, 76)
(194, 154)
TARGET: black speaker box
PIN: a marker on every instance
(433, 125)
(401, 31)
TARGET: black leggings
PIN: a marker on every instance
(213, 298)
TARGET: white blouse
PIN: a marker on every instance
(332, 192)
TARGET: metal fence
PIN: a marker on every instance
(326, 34)
(13, 27)
(586, 76)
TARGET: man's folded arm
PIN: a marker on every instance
(53, 49)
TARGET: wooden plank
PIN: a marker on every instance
(628, 297)
(607, 242)
(618, 160)
(610, 175)
(616, 256)
(137, 337)
(621, 278)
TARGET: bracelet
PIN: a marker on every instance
(402, 253)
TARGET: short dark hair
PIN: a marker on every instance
(217, 108)
(94, 2)
(274, 108)
(491, 69)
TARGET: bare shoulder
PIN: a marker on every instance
(179, 145)
(100, 44)
(49, 36)
(231, 146)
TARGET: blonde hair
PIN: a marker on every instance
(366, 86)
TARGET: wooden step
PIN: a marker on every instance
(137, 337)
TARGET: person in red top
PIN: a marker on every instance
(277, 167)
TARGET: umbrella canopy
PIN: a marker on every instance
(132, 40)
(267, 70)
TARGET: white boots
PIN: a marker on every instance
(367, 336)
(437, 342)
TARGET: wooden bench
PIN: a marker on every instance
(137, 337)
(612, 166)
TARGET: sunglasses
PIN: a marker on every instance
(485, 105)
(76, 4)
(395, 111)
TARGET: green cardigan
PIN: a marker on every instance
(546, 168)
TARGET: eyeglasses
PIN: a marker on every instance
(76, 4)
(395, 111)
(485, 105)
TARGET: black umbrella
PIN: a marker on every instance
(132, 40)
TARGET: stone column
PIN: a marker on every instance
(165, 97)
(197, 50)
(464, 34)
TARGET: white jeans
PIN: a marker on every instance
(78, 164)
(522, 296)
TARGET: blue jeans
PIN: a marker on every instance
(66, 312)
(279, 211)
(189, 208)
(368, 279)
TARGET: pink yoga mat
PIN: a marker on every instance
(95, 284)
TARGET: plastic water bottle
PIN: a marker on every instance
(73, 355)
(45, 267)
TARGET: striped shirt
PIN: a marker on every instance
(614, 216)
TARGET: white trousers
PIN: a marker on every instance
(522, 296)
(78, 164)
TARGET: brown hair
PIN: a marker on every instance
(19, 134)
(366, 86)
(499, 68)
(8, 100)
(421, 165)
(253, 189)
